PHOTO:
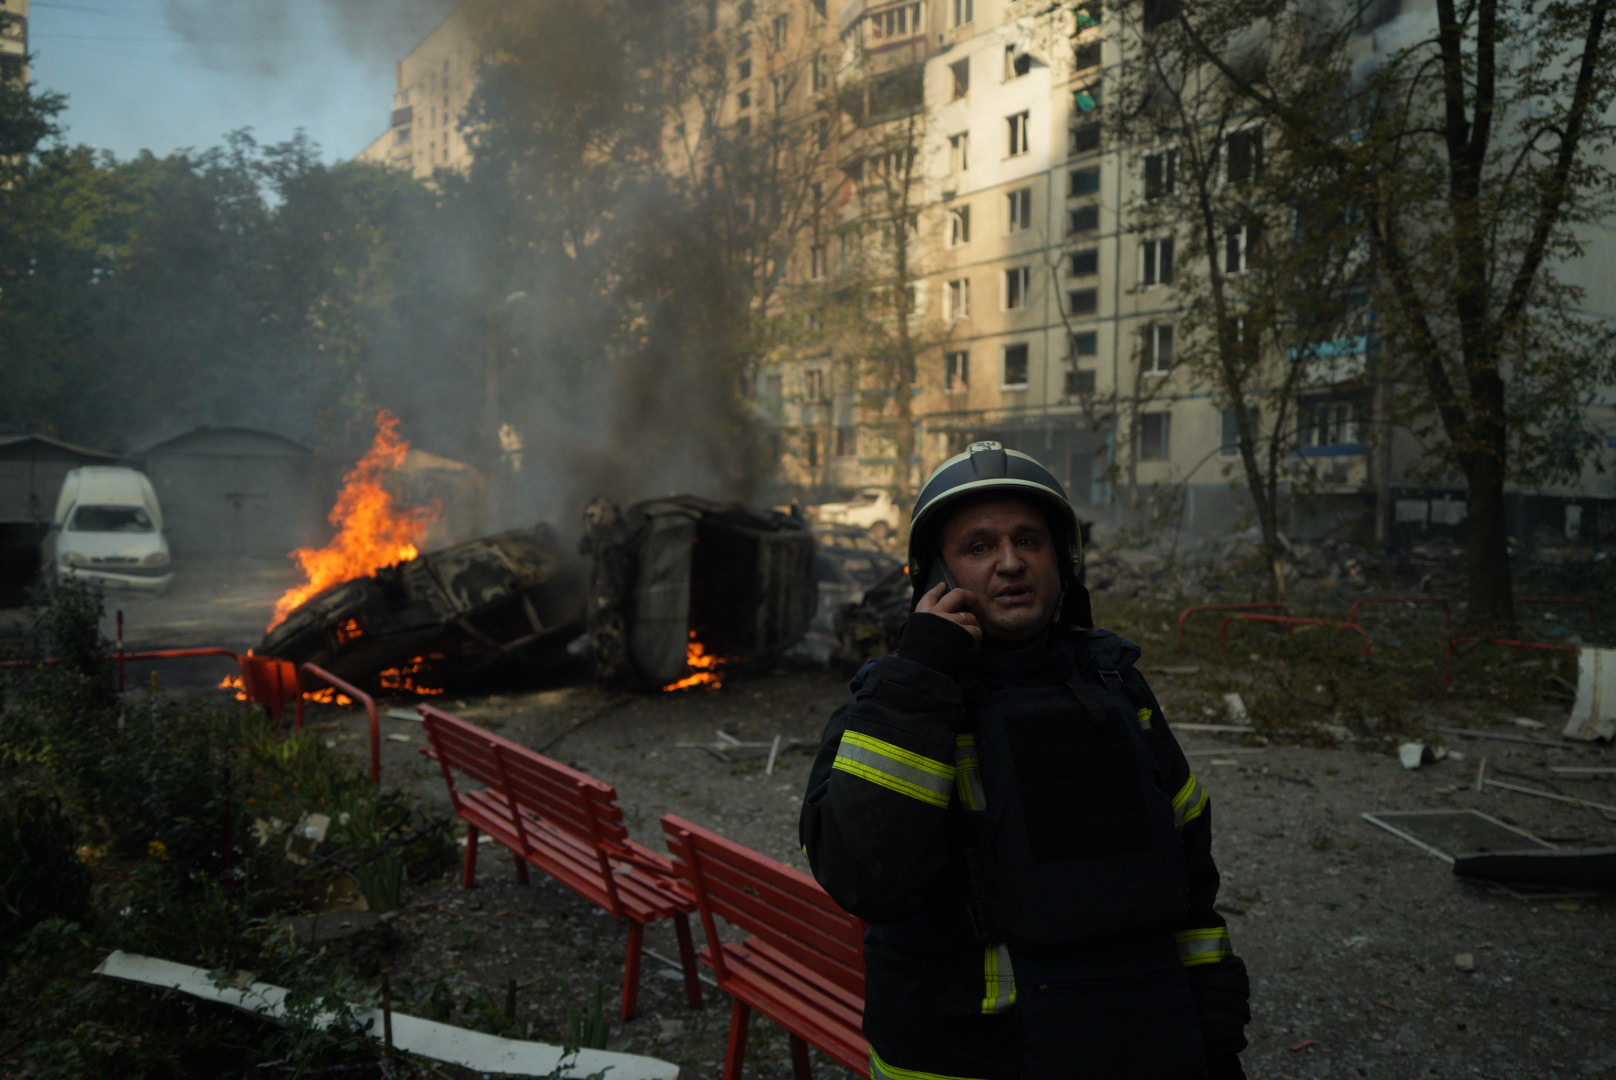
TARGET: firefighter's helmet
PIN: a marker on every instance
(989, 467)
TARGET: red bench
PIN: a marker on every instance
(567, 824)
(803, 966)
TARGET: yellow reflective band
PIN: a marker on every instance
(895, 768)
(1144, 718)
(998, 979)
(880, 1070)
(1190, 802)
(968, 774)
(1206, 946)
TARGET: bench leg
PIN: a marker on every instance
(687, 957)
(631, 969)
(739, 1018)
(799, 1058)
(521, 868)
(469, 878)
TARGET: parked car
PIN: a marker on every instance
(872, 508)
(108, 529)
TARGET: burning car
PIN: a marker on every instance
(514, 597)
(683, 587)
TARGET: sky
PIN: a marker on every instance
(161, 75)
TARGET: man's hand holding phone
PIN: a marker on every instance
(946, 599)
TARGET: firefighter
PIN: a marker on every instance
(1001, 799)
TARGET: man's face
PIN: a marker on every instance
(999, 550)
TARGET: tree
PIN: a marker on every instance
(1478, 141)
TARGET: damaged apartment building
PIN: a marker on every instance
(980, 260)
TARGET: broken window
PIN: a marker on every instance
(1015, 367)
(957, 299)
(1157, 355)
(959, 152)
(1082, 302)
(1086, 100)
(1017, 283)
(1240, 247)
(1085, 343)
(1245, 155)
(1161, 174)
(1019, 129)
(956, 370)
(1017, 62)
(1018, 204)
(961, 72)
(1155, 431)
(959, 226)
(743, 70)
(1085, 138)
(1085, 262)
(1156, 262)
(846, 440)
(1083, 181)
(1083, 219)
(1086, 56)
(743, 100)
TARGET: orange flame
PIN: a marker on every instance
(233, 682)
(371, 532)
(326, 695)
(705, 668)
(403, 677)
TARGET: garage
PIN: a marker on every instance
(237, 492)
(31, 471)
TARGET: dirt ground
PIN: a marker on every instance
(1368, 957)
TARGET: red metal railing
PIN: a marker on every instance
(360, 696)
(1184, 616)
(1290, 623)
(1364, 601)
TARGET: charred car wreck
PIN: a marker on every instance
(663, 580)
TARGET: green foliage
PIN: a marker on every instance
(41, 875)
(588, 1027)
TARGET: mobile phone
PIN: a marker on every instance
(939, 573)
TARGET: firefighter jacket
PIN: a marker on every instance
(1033, 853)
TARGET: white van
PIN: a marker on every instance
(108, 529)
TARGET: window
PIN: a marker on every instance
(1019, 129)
(743, 70)
(957, 299)
(849, 250)
(1086, 343)
(744, 99)
(956, 371)
(1155, 430)
(1083, 301)
(1084, 219)
(1087, 56)
(1015, 367)
(819, 9)
(1240, 247)
(1083, 263)
(1326, 422)
(895, 22)
(1157, 354)
(747, 9)
(743, 126)
(1158, 12)
(813, 386)
(821, 73)
(1085, 138)
(822, 132)
(782, 30)
(959, 152)
(964, 11)
(782, 90)
(959, 226)
(846, 441)
(1017, 62)
(811, 448)
(1086, 100)
(1161, 174)
(1080, 383)
(816, 261)
(1245, 149)
(1229, 445)
(1083, 181)
(961, 71)
(1156, 262)
(1018, 207)
(1017, 283)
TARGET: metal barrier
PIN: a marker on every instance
(1184, 616)
(358, 695)
(1447, 609)
(1290, 622)
(1578, 601)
